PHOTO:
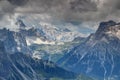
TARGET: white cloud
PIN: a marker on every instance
(8, 21)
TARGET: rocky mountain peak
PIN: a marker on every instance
(105, 26)
(110, 28)
(21, 24)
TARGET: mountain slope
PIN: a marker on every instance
(16, 62)
(19, 66)
(13, 41)
(98, 56)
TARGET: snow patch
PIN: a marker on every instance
(36, 55)
(36, 40)
(117, 33)
(19, 49)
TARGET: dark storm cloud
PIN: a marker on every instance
(68, 10)
(61, 9)
(18, 2)
(7, 7)
(83, 5)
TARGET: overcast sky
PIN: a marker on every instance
(86, 13)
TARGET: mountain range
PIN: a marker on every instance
(17, 61)
(33, 54)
